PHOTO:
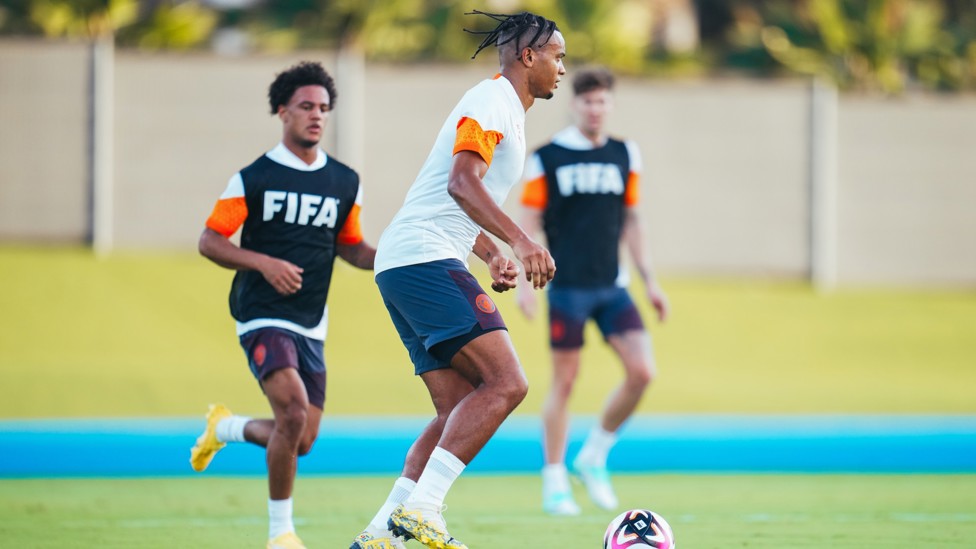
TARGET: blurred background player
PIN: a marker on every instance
(452, 329)
(582, 189)
(299, 209)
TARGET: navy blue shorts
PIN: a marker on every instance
(271, 349)
(437, 308)
(570, 308)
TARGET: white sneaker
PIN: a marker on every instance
(560, 504)
(597, 482)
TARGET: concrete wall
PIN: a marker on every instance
(726, 162)
(183, 125)
(43, 141)
(907, 191)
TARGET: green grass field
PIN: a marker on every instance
(706, 512)
(146, 335)
(149, 334)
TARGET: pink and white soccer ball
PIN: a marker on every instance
(638, 528)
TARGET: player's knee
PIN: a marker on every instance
(515, 389)
(292, 420)
(640, 378)
(305, 446)
(563, 388)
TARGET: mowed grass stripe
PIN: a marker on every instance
(497, 512)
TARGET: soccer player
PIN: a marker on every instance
(454, 334)
(582, 189)
(299, 209)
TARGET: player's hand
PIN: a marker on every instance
(527, 303)
(538, 263)
(284, 277)
(660, 301)
(504, 273)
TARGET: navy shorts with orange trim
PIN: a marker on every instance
(271, 349)
(437, 308)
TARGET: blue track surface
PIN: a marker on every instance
(801, 444)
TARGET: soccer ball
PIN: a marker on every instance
(638, 528)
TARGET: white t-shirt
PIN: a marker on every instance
(430, 225)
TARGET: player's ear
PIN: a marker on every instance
(527, 56)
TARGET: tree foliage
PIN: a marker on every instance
(886, 45)
(876, 44)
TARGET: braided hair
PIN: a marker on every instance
(513, 27)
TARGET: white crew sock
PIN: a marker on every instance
(231, 429)
(279, 513)
(441, 471)
(555, 479)
(597, 446)
(401, 491)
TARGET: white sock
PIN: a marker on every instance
(555, 478)
(597, 446)
(279, 513)
(231, 429)
(441, 471)
(401, 491)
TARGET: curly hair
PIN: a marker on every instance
(592, 78)
(306, 73)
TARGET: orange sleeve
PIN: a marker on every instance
(351, 232)
(470, 137)
(535, 193)
(632, 192)
(228, 215)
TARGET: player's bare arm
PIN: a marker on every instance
(284, 277)
(359, 255)
(466, 188)
(503, 271)
(532, 224)
(632, 237)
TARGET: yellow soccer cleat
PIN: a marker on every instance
(287, 540)
(368, 540)
(423, 524)
(207, 444)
